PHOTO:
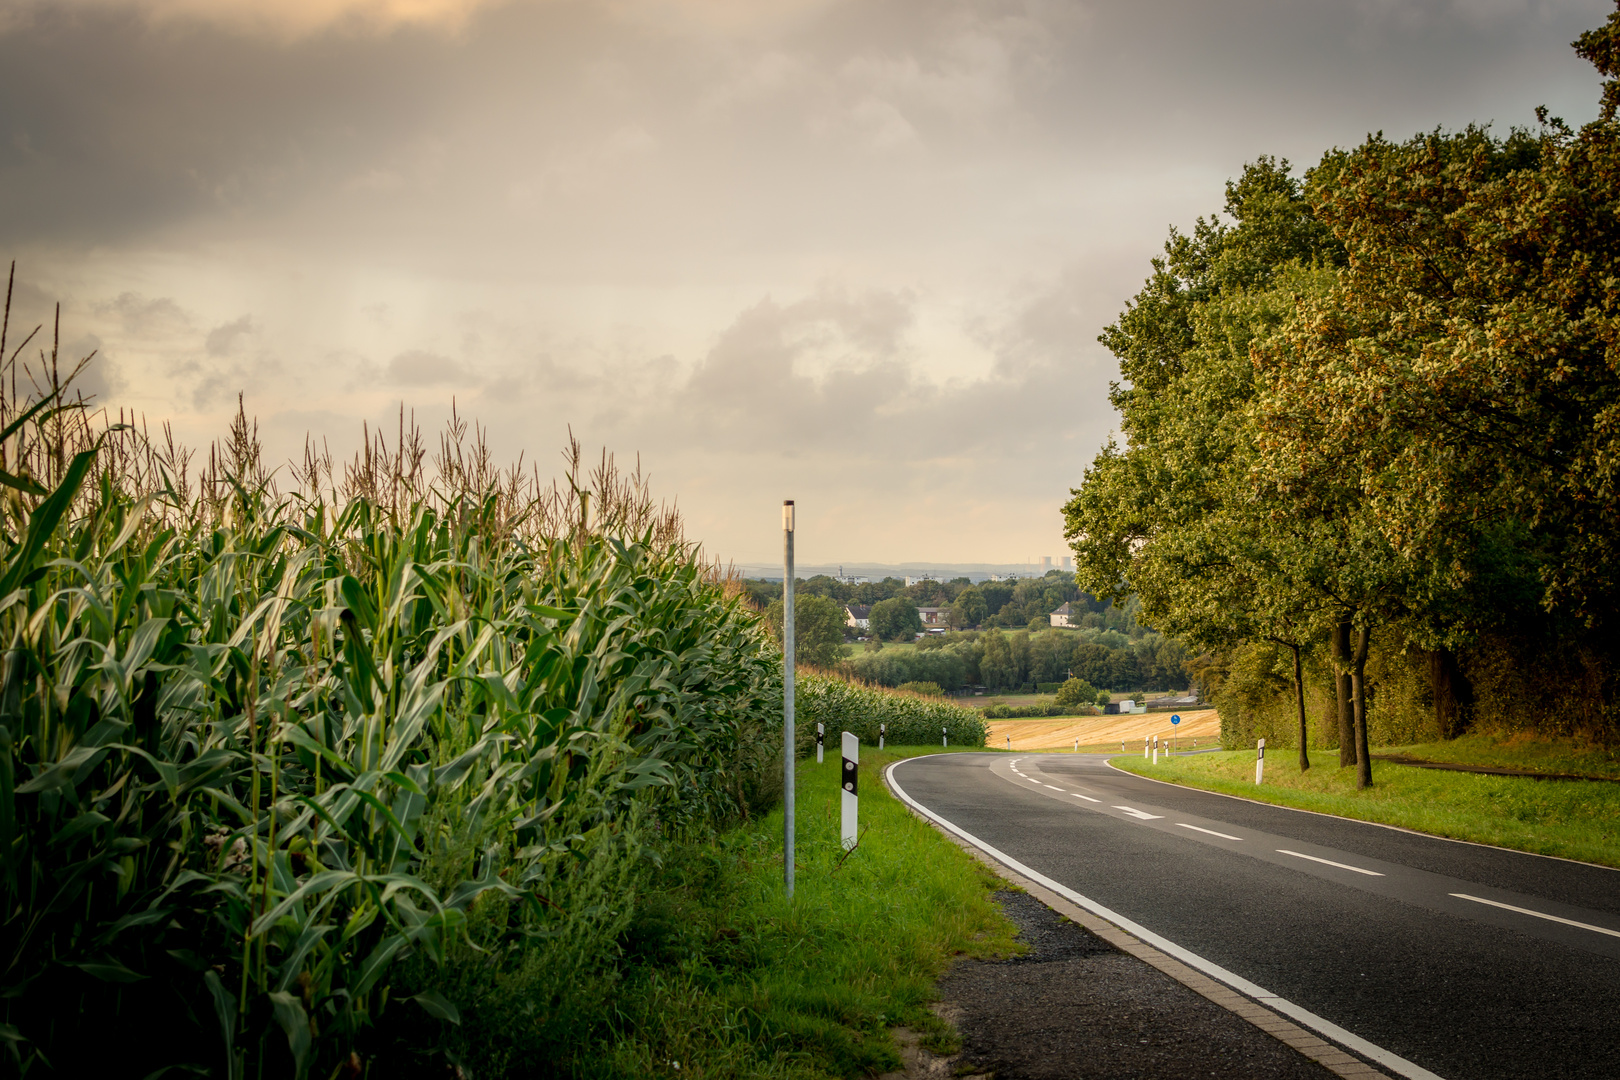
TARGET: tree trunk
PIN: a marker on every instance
(1359, 679)
(1341, 685)
(1453, 694)
(1299, 697)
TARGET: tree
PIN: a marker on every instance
(895, 619)
(969, 608)
(818, 629)
(1076, 692)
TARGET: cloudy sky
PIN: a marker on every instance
(852, 252)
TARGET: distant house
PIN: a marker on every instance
(1066, 616)
(858, 615)
(934, 616)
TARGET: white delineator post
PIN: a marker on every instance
(1260, 761)
(821, 733)
(944, 737)
(849, 834)
(787, 695)
(883, 729)
(1145, 754)
(1155, 749)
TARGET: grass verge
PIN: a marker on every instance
(726, 978)
(1572, 819)
(1518, 751)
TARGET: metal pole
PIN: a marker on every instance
(787, 696)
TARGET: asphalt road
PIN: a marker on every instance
(1387, 934)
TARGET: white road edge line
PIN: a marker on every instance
(1329, 862)
(1321, 1026)
(1212, 832)
(1538, 914)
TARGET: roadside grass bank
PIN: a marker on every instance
(1572, 819)
(727, 978)
(1517, 751)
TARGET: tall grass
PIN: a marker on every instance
(294, 782)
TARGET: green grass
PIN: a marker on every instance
(1572, 819)
(730, 979)
(1519, 751)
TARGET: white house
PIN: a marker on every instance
(934, 616)
(1066, 616)
(858, 615)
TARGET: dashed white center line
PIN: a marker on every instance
(1135, 813)
(1054, 787)
(1538, 914)
(1088, 798)
(1212, 832)
(1330, 862)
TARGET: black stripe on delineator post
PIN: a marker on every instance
(851, 777)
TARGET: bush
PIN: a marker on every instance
(927, 689)
(821, 697)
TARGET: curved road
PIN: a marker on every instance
(1467, 962)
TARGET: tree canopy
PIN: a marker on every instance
(1380, 398)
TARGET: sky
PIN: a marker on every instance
(855, 253)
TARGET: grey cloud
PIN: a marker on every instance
(418, 367)
(223, 339)
(146, 317)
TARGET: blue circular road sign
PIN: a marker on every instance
(1175, 719)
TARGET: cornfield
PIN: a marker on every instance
(290, 779)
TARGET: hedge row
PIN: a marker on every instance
(913, 720)
(1010, 712)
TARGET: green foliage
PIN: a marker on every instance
(818, 629)
(1380, 399)
(927, 689)
(730, 980)
(859, 709)
(1010, 712)
(289, 786)
(895, 619)
(1076, 692)
(969, 608)
(944, 667)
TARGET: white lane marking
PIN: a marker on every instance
(1320, 1025)
(1538, 914)
(1330, 862)
(1139, 814)
(1088, 798)
(1212, 832)
(1054, 787)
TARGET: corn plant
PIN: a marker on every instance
(241, 755)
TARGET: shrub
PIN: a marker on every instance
(927, 689)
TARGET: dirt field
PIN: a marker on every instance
(1060, 732)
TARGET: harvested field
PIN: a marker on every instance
(1105, 732)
